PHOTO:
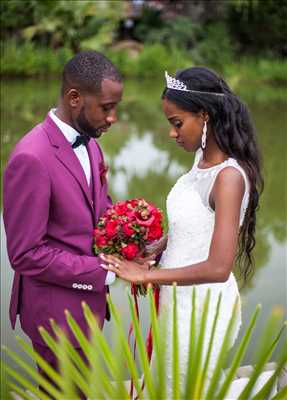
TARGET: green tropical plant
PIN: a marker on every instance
(110, 365)
(73, 24)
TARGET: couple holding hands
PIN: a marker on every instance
(55, 194)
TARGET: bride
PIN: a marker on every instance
(211, 209)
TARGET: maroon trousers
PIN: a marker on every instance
(50, 358)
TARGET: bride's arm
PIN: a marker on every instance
(226, 196)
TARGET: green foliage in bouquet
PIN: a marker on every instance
(110, 365)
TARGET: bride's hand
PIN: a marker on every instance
(128, 270)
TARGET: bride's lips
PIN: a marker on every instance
(179, 142)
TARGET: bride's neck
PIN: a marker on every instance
(212, 155)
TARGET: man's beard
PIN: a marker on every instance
(84, 127)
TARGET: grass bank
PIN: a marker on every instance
(27, 60)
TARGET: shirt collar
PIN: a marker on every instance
(69, 132)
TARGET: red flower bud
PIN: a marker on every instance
(130, 251)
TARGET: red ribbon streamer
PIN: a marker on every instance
(149, 342)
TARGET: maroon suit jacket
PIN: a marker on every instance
(49, 216)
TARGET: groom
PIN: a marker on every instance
(55, 191)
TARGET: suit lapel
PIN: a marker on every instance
(94, 161)
(65, 154)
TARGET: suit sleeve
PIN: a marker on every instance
(26, 201)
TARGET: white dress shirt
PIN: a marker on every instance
(83, 156)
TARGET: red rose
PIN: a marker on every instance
(99, 232)
(121, 208)
(157, 215)
(145, 222)
(134, 203)
(101, 241)
(128, 230)
(112, 228)
(155, 232)
(130, 215)
(130, 251)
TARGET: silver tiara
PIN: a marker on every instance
(175, 84)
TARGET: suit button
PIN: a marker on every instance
(80, 286)
(75, 286)
(90, 287)
(85, 287)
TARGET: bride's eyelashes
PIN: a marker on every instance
(177, 124)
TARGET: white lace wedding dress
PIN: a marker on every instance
(191, 223)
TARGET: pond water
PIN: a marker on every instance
(144, 162)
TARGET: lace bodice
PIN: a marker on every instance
(191, 219)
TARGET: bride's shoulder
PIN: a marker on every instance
(229, 175)
(230, 179)
(232, 173)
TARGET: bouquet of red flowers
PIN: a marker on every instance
(128, 228)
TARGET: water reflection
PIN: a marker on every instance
(144, 162)
(126, 166)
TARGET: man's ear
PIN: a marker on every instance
(74, 98)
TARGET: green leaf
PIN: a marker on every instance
(142, 350)
(175, 353)
(49, 371)
(67, 371)
(198, 368)
(190, 383)
(266, 389)
(264, 357)
(103, 377)
(127, 351)
(26, 383)
(100, 345)
(238, 355)
(33, 374)
(22, 393)
(222, 353)
(158, 345)
(282, 395)
(210, 345)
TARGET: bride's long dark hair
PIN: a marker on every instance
(235, 136)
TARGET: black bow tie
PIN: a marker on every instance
(81, 139)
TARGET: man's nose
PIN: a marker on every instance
(112, 117)
(173, 133)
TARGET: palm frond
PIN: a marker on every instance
(102, 373)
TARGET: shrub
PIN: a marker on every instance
(28, 60)
(214, 48)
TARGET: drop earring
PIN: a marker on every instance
(203, 137)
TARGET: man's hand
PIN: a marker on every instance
(127, 270)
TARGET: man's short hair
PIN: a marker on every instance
(86, 71)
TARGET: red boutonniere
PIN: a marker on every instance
(103, 169)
